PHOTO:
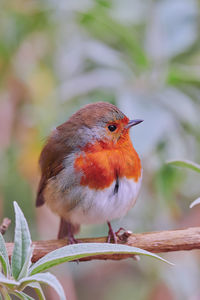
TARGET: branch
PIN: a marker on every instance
(4, 226)
(160, 241)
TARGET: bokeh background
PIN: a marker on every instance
(143, 56)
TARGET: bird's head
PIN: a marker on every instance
(102, 122)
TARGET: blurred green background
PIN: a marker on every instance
(143, 56)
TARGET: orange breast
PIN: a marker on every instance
(102, 162)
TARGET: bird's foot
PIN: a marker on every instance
(123, 234)
(70, 235)
(72, 240)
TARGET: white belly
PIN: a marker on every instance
(104, 205)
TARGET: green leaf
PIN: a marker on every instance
(27, 263)
(184, 75)
(195, 202)
(102, 25)
(5, 294)
(46, 278)
(38, 290)
(10, 283)
(22, 242)
(77, 251)
(4, 260)
(22, 296)
(185, 164)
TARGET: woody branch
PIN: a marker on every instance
(162, 241)
(4, 225)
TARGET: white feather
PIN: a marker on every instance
(99, 206)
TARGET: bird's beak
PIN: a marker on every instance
(133, 123)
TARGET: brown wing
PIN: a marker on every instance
(43, 181)
(51, 162)
(40, 198)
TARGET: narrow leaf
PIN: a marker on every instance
(38, 290)
(10, 283)
(195, 202)
(182, 76)
(4, 260)
(185, 164)
(45, 278)
(27, 263)
(22, 242)
(22, 296)
(5, 294)
(77, 251)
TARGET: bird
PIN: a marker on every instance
(90, 171)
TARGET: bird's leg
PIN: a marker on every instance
(66, 229)
(111, 234)
(70, 236)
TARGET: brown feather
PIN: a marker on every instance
(51, 163)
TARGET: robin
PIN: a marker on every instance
(90, 171)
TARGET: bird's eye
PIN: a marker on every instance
(112, 127)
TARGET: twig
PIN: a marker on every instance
(4, 226)
(161, 241)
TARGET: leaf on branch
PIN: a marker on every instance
(10, 283)
(4, 260)
(77, 251)
(45, 278)
(27, 264)
(22, 296)
(22, 243)
(38, 290)
(185, 164)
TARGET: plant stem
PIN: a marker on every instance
(5, 294)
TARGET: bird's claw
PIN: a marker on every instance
(123, 234)
(71, 240)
